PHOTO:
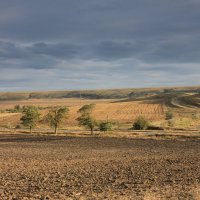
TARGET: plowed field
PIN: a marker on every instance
(51, 167)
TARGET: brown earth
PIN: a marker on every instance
(58, 167)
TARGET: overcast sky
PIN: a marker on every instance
(89, 44)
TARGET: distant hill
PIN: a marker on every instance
(97, 94)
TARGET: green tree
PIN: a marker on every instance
(85, 118)
(140, 123)
(86, 109)
(30, 117)
(105, 126)
(56, 116)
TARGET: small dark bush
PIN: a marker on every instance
(171, 123)
(141, 123)
(18, 126)
(105, 126)
(169, 115)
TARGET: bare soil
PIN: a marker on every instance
(60, 167)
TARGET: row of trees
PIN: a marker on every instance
(31, 117)
(55, 117)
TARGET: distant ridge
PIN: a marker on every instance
(96, 94)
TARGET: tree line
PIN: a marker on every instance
(31, 117)
(55, 117)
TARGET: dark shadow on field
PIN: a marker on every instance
(153, 99)
(31, 138)
(99, 142)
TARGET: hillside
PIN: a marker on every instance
(96, 94)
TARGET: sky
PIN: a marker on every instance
(97, 44)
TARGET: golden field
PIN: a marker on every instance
(119, 112)
(185, 109)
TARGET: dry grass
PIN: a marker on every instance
(50, 102)
(2, 115)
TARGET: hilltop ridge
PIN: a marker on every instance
(96, 94)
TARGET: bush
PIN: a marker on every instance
(171, 123)
(140, 123)
(18, 126)
(169, 115)
(16, 109)
(105, 126)
(195, 116)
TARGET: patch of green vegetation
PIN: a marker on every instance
(106, 126)
(169, 115)
(140, 123)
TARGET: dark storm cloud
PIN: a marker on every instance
(64, 51)
(44, 39)
(169, 51)
(139, 21)
(9, 50)
(36, 55)
(91, 20)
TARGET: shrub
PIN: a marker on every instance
(195, 116)
(105, 126)
(171, 123)
(169, 115)
(18, 126)
(140, 123)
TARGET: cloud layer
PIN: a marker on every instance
(68, 44)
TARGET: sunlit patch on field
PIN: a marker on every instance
(124, 112)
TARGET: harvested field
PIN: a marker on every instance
(50, 102)
(124, 112)
(55, 167)
(9, 118)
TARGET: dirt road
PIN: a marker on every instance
(49, 167)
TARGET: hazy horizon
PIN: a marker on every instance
(102, 89)
(107, 44)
